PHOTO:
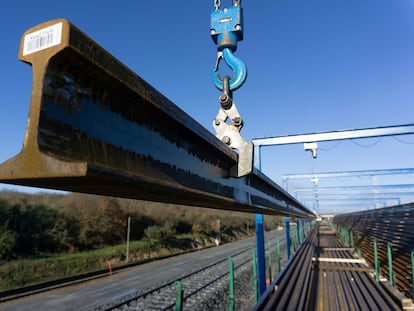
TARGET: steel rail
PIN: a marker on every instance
(96, 127)
(29, 290)
(285, 282)
(189, 292)
(124, 298)
(208, 284)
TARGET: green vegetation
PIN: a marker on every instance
(50, 236)
(22, 272)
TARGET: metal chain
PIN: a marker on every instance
(217, 4)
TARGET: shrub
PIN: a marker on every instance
(153, 233)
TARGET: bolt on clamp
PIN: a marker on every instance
(229, 133)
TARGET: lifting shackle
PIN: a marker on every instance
(226, 29)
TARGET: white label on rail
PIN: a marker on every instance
(42, 39)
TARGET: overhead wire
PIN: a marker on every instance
(402, 141)
(333, 147)
(366, 146)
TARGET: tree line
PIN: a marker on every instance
(42, 224)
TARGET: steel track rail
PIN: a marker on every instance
(240, 258)
(142, 295)
(208, 284)
(15, 294)
(96, 127)
(29, 290)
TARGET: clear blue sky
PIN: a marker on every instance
(313, 66)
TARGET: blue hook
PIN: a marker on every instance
(238, 67)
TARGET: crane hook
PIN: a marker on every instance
(238, 67)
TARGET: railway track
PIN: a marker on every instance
(29, 290)
(204, 289)
(163, 296)
(199, 287)
(112, 292)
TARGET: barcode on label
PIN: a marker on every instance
(42, 39)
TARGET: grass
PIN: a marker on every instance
(25, 272)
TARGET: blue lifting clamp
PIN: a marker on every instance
(226, 29)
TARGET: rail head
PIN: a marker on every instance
(96, 127)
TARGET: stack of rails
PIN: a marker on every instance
(339, 281)
(393, 225)
(289, 290)
(324, 275)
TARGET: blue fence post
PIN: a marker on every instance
(261, 259)
(287, 225)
